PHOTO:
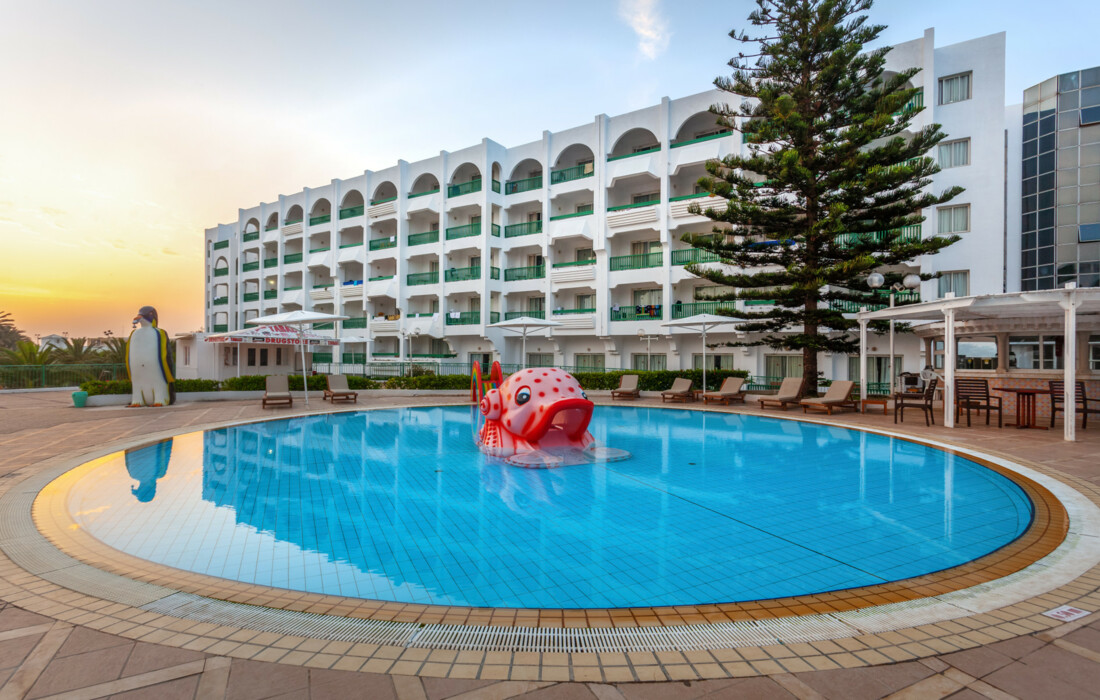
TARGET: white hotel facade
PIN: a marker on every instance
(581, 227)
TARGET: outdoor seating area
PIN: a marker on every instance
(732, 389)
(837, 396)
(628, 388)
(337, 389)
(277, 392)
(789, 394)
(681, 390)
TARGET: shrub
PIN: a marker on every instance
(96, 387)
(361, 383)
(185, 386)
(430, 381)
(258, 382)
(251, 382)
(660, 380)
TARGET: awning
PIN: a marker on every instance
(273, 335)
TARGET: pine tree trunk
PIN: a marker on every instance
(809, 355)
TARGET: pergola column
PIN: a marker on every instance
(949, 352)
(1069, 343)
(862, 357)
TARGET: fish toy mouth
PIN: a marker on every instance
(566, 419)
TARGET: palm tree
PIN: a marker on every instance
(27, 353)
(115, 354)
(9, 334)
(77, 351)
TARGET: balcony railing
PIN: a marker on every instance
(324, 285)
(272, 227)
(351, 245)
(680, 310)
(694, 195)
(494, 273)
(720, 135)
(271, 262)
(271, 294)
(635, 205)
(539, 313)
(383, 243)
(322, 219)
(496, 186)
(292, 289)
(324, 326)
(292, 258)
(432, 355)
(464, 231)
(464, 318)
(576, 263)
(221, 301)
(637, 262)
(422, 238)
(875, 302)
(250, 266)
(638, 313)
(635, 153)
(379, 278)
(221, 272)
(464, 188)
(320, 250)
(693, 256)
(525, 185)
(575, 172)
(221, 327)
(354, 323)
(563, 312)
(533, 272)
(383, 200)
(418, 278)
(354, 358)
(349, 212)
(321, 357)
(494, 230)
(525, 229)
(915, 102)
(559, 217)
(462, 274)
(423, 194)
(249, 236)
(221, 245)
(909, 234)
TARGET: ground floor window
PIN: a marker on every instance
(977, 352)
(716, 361)
(783, 365)
(1094, 352)
(263, 357)
(878, 369)
(588, 362)
(252, 357)
(648, 363)
(540, 359)
(278, 356)
(482, 358)
(1035, 352)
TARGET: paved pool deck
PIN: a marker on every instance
(59, 640)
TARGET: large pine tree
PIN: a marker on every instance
(833, 176)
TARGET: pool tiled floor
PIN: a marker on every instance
(55, 642)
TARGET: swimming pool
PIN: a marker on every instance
(399, 505)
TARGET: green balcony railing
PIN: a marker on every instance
(383, 243)
(422, 238)
(250, 296)
(494, 273)
(379, 278)
(576, 263)
(353, 323)
(221, 327)
(680, 310)
(563, 312)
(573, 173)
(462, 274)
(494, 230)
(719, 135)
(271, 293)
(875, 302)
(494, 317)
(250, 266)
(321, 357)
(291, 222)
(637, 262)
(221, 245)
(638, 313)
(292, 289)
(909, 234)
(525, 229)
(915, 102)
(418, 278)
(635, 205)
(635, 153)
(349, 212)
(351, 245)
(759, 302)
(539, 313)
(292, 258)
(464, 318)
(559, 217)
(322, 219)
(464, 231)
(324, 285)
(432, 355)
(464, 188)
(693, 256)
(532, 272)
(496, 186)
(525, 185)
(695, 195)
(221, 301)
(249, 236)
(354, 358)
(423, 194)
(324, 326)
(272, 227)
(383, 354)
(221, 272)
(320, 250)
(271, 262)
(383, 200)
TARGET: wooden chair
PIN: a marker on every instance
(789, 394)
(337, 389)
(733, 389)
(1058, 402)
(974, 393)
(679, 391)
(278, 391)
(628, 388)
(923, 401)
(838, 395)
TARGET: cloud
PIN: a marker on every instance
(168, 251)
(644, 17)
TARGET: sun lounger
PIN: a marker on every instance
(838, 395)
(732, 390)
(680, 391)
(628, 388)
(790, 391)
(278, 391)
(338, 389)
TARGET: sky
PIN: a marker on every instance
(127, 127)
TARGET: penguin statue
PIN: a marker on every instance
(148, 362)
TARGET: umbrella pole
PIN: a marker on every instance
(704, 357)
(238, 361)
(305, 385)
(523, 351)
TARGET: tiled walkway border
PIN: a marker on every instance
(1001, 618)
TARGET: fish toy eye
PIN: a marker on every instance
(583, 395)
(523, 396)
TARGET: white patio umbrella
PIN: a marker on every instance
(298, 319)
(524, 326)
(704, 323)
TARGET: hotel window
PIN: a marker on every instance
(878, 369)
(278, 356)
(588, 363)
(586, 301)
(954, 154)
(583, 254)
(1035, 352)
(976, 352)
(252, 357)
(648, 363)
(263, 357)
(955, 88)
(783, 365)
(1094, 352)
(645, 197)
(957, 282)
(954, 219)
(716, 361)
(540, 359)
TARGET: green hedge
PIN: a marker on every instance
(123, 386)
(659, 380)
(430, 381)
(257, 382)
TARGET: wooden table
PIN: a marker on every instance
(1025, 407)
(873, 401)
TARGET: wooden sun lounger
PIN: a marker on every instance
(838, 395)
(338, 390)
(732, 390)
(278, 392)
(628, 388)
(789, 394)
(680, 391)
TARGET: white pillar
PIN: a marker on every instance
(949, 368)
(862, 356)
(1069, 343)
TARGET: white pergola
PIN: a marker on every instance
(1070, 303)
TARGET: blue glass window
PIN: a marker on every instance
(1089, 232)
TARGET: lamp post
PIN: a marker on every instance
(408, 335)
(648, 339)
(875, 280)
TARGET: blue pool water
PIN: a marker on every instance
(400, 505)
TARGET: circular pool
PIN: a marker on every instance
(399, 505)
